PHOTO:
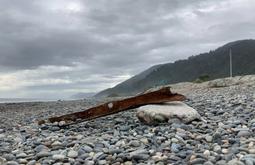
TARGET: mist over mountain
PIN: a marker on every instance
(82, 95)
(213, 64)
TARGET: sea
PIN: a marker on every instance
(20, 100)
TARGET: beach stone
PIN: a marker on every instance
(151, 114)
(128, 163)
(43, 154)
(9, 157)
(56, 143)
(252, 151)
(2, 160)
(21, 155)
(197, 161)
(102, 162)
(140, 157)
(22, 161)
(159, 157)
(224, 151)
(137, 152)
(243, 133)
(72, 154)
(207, 153)
(217, 148)
(89, 162)
(58, 157)
(175, 147)
(31, 162)
(12, 163)
(144, 140)
(40, 148)
(134, 143)
(87, 148)
(208, 138)
(235, 162)
(208, 163)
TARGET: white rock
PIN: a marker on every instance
(2, 160)
(56, 143)
(22, 161)
(164, 112)
(58, 157)
(207, 153)
(72, 154)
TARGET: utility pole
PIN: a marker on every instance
(230, 63)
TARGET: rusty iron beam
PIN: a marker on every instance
(159, 96)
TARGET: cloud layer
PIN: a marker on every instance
(55, 48)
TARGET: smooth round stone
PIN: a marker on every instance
(43, 154)
(217, 137)
(208, 138)
(128, 163)
(31, 162)
(224, 151)
(141, 157)
(72, 154)
(40, 148)
(144, 140)
(9, 157)
(124, 128)
(207, 153)
(47, 161)
(192, 157)
(235, 162)
(22, 161)
(21, 155)
(2, 160)
(208, 163)
(56, 143)
(251, 144)
(243, 134)
(115, 151)
(61, 123)
(54, 128)
(159, 157)
(87, 149)
(89, 162)
(175, 147)
(217, 148)
(58, 157)
(12, 163)
(102, 162)
(81, 152)
(197, 161)
(134, 143)
(252, 151)
(174, 140)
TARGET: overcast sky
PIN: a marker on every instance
(55, 48)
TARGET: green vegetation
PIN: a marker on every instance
(214, 63)
(113, 95)
(202, 79)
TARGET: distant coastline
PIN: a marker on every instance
(20, 100)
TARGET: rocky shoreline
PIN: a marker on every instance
(226, 136)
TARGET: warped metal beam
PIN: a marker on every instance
(159, 96)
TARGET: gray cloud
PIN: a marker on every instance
(104, 42)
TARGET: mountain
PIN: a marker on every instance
(82, 95)
(212, 65)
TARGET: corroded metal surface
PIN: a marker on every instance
(160, 96)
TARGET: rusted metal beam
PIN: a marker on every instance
(160, 96)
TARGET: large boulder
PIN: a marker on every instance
(167, 112)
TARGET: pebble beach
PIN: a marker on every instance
(226, 135)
